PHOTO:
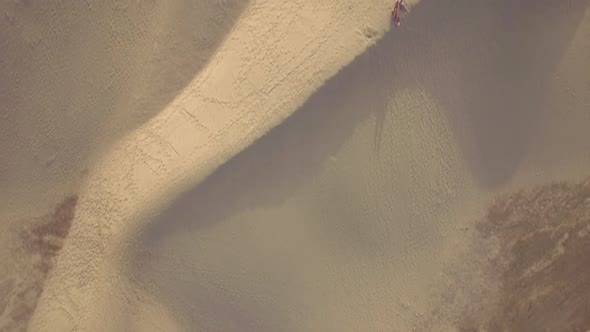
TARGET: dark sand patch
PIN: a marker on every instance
(544, 257)
(41, 240)
(528, 267)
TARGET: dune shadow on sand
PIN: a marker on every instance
(486, 72)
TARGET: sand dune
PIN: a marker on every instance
(270, 60)
(363, 208)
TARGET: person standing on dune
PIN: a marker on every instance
(395, 13)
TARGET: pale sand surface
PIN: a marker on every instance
(363, 211)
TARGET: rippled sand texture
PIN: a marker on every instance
(315, 171)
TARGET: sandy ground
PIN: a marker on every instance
(295, 166)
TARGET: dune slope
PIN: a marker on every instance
(273, 58)
(360, 211)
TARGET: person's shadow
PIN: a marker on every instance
(485, 63)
